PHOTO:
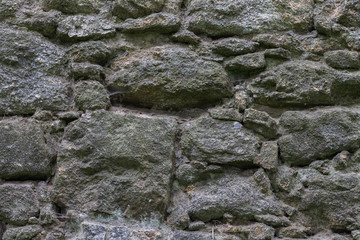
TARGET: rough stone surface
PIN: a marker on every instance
(234, 46)
(246, 63)
(95, 52)
(35, 158)
(136, 8)
(138, 179)
(337, 129)
(86, 71)
(343, 59)
(203, 140)
(23, 233)
(169, 77)
(228, 18)
(260, 122)
(17, 203)
(91, 95)
(74, 6)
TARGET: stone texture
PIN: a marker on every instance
(74, 6)
(86, 71)
(309, 136)
(24, 153)
(157, 22)
(260, 122)
(136, 8)
(93, 231)
(234, 46)
(240, 17)
(203, 140)
(169, 77)
(23, 233)
(17, 203)
(246, 63)
(226, 114)
(268, 157)
(230, 193)
(139, 150)
(91, 95)
(44, 23)
(81, 28)
(30, 70)
(343, 59)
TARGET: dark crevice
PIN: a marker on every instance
(60, 211)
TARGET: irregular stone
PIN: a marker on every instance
(246, 63)
(81, 28)
(24, 154)
(185, 36)
(263, 181)
(91, 95)
(86, 71)
(47, 215)
(234, 46)
(343, 59)
(23, 233)
(74, 6)
(276, 40)
(277, 53)
(43, 115)
(173, 6)
(293, 231)
(44, 23)
(136, 8)
(352, 39)
(310, 136)
(139, 150)
(194, 226)
(268, 157)
(156, 22)
(68, 116)
(240, 17)
(118, 233)
(10, 8)
(179, 204)
(296, 83)
(93, 231)
(17, 203)
(184, 235)
(261, 232)
(260, 122)
(272, 220)
(169, 77)
(230, 193)
(203, 140)
(356, 234)
(30, 73)
(284, 179)
(226, 114)
(95, 52)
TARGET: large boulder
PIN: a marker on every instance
(169, 77)
(239, 17)
(31, 70)
(18, 203)
(112, 161)
(320, 134)
(24, 153)
(219, 142)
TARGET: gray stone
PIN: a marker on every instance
(310, 136)
(86, 71)
(136, 8)
(156, 22)
(17, 203)
(185, 36)
(355, 234)
(169, 77)
(74, 6)
(24, 153)
(277, 53)
(118, 233)
(81, 28)
(178, 214)
(268, 157)
(93, 231)
(30, 73)
(68, 116)
(43, 115)
(246, 63)
(230, 114)
(234, 46)
(44, 23)
(293, 231)
(95, 52)
(295, 83)
(199, 235)
(352, 39)
(230, 193)
(197, 225)
(240, 17)
(343, 59)
(272, 220)
(203, 140)
(261, 232)
(260, 122)
(111, 161)
(30, 232)
(91, 95)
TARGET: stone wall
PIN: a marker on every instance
(179, 119)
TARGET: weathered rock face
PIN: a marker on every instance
(24, 153)
(227, 18)
(179, 119)
(106, 164)
(169, 77)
